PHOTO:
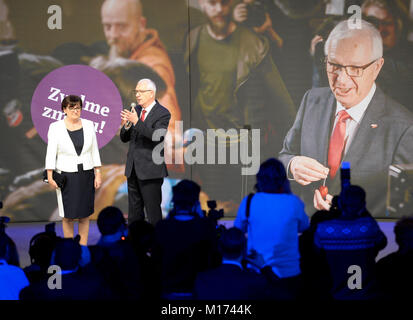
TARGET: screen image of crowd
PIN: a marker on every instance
(273, 252)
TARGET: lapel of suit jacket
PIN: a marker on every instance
(365, 132)
(138, 110)
(327, 118)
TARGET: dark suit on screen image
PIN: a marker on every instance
(145, 178)
(384, 137)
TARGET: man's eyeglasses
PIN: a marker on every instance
(139, 91)
(74, 108)
(352, 71)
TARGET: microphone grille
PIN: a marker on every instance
(133, 104)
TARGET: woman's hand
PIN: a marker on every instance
(53, 184)
(98, 179)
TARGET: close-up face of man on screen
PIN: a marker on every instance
(123, 25)
(362, 57)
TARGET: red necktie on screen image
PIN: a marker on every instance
(143, 115)
(337, 143)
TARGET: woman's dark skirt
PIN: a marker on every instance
(78, 195)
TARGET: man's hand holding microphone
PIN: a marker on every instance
(129, 117)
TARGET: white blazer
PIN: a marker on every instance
(61, 153)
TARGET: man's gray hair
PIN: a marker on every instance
(149, 83)
(344, 30)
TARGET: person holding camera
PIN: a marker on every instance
(72, 151)
(273, 217)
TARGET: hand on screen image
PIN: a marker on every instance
(306, 170)
(320, 203)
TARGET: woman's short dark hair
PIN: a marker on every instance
(71, 100)
(272, 177)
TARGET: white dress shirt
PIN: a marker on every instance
(356, 113)
(148, 109)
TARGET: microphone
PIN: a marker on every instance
(132, 106)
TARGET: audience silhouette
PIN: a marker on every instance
(186, 242)
(394, 271)
(70, 281)
(231, 280)
(114, 256)
(40, 251)
(12, 278)
(190, 256)
(142, 237)
(351, 242)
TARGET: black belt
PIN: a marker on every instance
(79, 168)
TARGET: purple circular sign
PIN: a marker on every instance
(102, 102)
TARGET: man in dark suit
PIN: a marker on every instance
(145, 127)
(352, 121)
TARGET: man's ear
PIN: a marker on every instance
(377, 67)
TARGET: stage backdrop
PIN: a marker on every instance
(232, 98)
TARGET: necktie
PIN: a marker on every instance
(143, 115)
(337, 143)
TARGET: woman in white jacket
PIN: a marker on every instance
(72, 150)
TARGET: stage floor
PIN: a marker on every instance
(21, 233)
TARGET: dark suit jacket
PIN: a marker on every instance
(141, 144)
(372, 149)
(229, 282)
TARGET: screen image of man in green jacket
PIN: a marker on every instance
(234, 84)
